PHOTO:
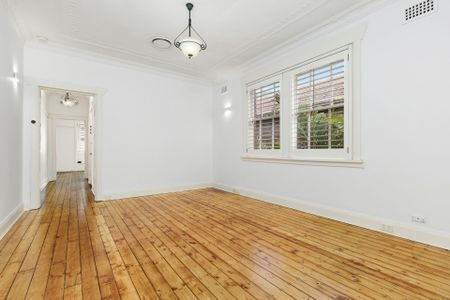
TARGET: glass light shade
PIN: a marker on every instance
(190, 47)
(68, 100)
(68, 103)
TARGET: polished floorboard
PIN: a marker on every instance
(205, 244)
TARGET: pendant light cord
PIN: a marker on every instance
(190, 6)
(190, 23)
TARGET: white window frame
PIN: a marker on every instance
(285, 62)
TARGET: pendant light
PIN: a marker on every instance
(193, 43)
(68, 100)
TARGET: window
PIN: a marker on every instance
(318, 108)
(304, 112)
(264, 116)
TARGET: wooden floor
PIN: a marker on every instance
(205, 244)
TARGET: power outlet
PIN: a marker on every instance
(418, 219)
(387, 228)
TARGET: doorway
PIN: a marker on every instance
(65, 144)
(38, 170)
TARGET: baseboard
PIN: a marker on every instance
(419, 234)
(10, 219)
(44, 184)
(125, 195)
(415, 233)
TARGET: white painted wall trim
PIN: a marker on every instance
(44, 184)
(125, 195)
(403, 230)
(68, 117)
(308, 162)
(10, 220)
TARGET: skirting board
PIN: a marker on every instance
(423, 235)
(44, 184)
(119, 196)
(10, 219)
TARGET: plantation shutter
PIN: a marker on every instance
(318, 107)
(81, 136)
(264, 116)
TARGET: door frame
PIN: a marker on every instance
(31, 136)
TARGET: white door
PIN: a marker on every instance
(90, 147)
(65, 149)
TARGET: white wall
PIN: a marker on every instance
(405, 130)
(11, 60)
(156, 129)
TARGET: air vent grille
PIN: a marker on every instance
(419, 9)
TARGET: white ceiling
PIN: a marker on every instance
(235, 30)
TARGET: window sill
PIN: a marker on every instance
(306, 161)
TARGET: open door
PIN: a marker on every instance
(90, 143)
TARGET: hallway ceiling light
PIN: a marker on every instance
(193, 43)
(68, 100)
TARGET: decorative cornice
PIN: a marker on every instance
(135, 64)
(19, 26)
(293, 17)
(356, 12)
(115, 52)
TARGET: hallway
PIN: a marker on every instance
(205, 244)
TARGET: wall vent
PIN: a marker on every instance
(419, 9)
(224, 90)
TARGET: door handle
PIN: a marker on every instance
(33, 121)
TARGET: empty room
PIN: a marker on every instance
(240, 149)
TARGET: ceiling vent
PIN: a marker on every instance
(420, 9)
(161, 43)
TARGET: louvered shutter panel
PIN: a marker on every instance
(264, 117)
(318, 107)
(81, 137)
